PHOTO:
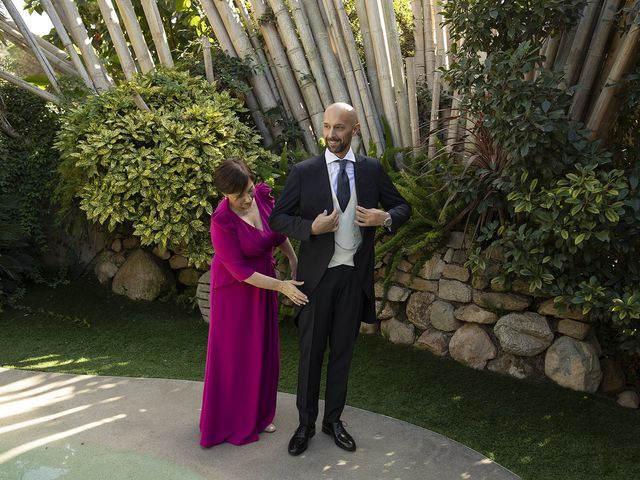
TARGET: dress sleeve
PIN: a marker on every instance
(264, 191)
(226, 247)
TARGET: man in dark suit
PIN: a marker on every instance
(330, 203)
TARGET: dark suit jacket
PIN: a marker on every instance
(307, 193)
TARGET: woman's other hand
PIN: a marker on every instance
(289, 288)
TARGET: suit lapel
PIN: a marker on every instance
(360, 182)
(324, 185)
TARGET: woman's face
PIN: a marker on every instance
(242, 201)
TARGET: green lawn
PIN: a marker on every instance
(539, 431)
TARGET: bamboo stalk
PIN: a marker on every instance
(208, 63)
(122, 50)
(564, 49)
(435, 106)
(311, 51)
(339, 90)
(593, 59)
(298, 62)
(268, 69)
(552, 51)
(397, 70)
(253, 103)
(31, 88)
(336, 35)
(68, 44)
(429, 43)
(29, 39)
(452, 131)
(579, 46)
(626, 57)
(117, 37)
(158, 34)
(410, 63)
(68, 13)
(383, 64)
(369, 55)
(288, 80)
(219, 30)
(418, 37)
(15, 37)
(370, 112)
(437, 25)
(134, 32)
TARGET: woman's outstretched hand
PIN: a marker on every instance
(289, 288)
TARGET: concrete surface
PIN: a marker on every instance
(77, 427)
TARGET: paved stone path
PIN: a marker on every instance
(77, 427)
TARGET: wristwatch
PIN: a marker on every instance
(387, 221)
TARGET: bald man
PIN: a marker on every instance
(331, 204)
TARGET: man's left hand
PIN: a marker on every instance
(370, 217)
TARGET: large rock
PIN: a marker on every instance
(415, 283)
(432, 268)
(388, 311)
(418, 308)
(397, 294)
(442, 318)
(613, 379)
(573, 329)
(629, 399)
(398, 332)
(525, 334)
(573, 364)
(472, 346)
(141, 278)
(508, 364)
(435, 341)
(501, 301)
(178, 261)
(116, 245)
(475, 314)
(549, 307)
(105, 271)
(454, 291)
(189, 276)
(456, 272)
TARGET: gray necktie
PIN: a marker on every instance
(344, 192)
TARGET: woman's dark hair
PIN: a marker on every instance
(232, 176)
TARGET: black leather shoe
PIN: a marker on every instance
(340, 435)
(300, 439)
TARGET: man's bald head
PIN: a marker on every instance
(340, 125)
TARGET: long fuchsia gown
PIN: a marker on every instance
(243, 362)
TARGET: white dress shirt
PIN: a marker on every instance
(333, 167)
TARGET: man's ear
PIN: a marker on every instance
(356, 129)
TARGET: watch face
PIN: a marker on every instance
(387, 222)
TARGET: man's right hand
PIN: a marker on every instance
(325, 223)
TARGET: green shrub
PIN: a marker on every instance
(151, 171)
(566, 211)
(28, 162)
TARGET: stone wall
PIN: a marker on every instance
(452, 314)
(141, 274)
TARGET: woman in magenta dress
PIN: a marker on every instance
(241, 375)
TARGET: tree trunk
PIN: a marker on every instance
(579, 46)
(429, 44)
(370, 56)
(410, 62)
(435, 108)
(418, 37)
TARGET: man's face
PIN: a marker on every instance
(338, 129)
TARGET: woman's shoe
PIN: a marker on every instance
(270, 428)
